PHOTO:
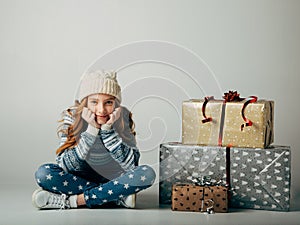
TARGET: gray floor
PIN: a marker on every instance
(16, 208)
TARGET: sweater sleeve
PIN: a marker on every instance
(72, 158)
(127, 156)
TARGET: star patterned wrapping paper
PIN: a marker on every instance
(259, 135)
(260, 178)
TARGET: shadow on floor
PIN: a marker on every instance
(147, 200)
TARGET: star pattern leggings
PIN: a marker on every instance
(52, 178)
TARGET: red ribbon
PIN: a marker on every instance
(220, 139)
(249, 100)
(206, 100)
(229, 97)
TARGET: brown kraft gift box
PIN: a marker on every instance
(195, 198)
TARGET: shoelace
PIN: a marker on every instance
(59, 200)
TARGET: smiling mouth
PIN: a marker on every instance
(101, 117)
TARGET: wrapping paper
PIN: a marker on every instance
(181, 163)
(259, 135)
(188, 197)
(260, 179)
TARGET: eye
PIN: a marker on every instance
(109, 102)
(93, 102)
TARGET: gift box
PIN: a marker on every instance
(242, 123)
(181, 163)
(196, 198)
(259, 179)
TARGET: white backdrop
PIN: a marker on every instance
(45, 46)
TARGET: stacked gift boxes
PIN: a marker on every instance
(259, 173)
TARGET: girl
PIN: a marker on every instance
(97, 159)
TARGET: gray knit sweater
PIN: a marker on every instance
(99, 150)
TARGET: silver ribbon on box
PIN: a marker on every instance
(206, 181)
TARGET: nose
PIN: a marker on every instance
(100, 110)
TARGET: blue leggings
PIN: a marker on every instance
(52, 178)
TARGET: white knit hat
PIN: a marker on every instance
(104, 82)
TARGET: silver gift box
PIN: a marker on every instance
(260, 178)
(181, 163)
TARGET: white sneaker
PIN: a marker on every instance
(42, 199)
(128, 201)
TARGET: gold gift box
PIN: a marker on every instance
(259, 135)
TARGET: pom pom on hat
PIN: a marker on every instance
(103, 82)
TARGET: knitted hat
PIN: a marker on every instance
(104, 82)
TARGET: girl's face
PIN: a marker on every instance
(102, 105)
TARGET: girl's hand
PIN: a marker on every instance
(89, 117)
(113, 117)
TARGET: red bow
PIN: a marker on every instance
(232, 96)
